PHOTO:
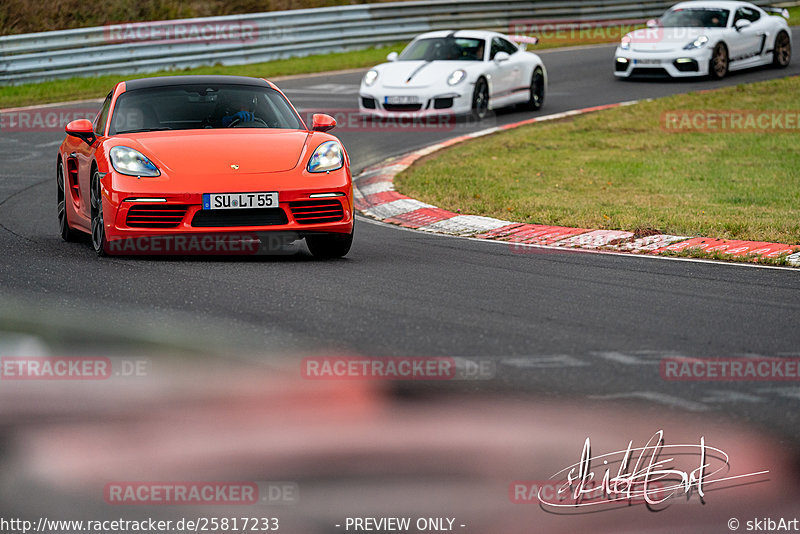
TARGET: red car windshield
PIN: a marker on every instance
(189, 107)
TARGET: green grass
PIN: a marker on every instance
(97, 87)
(619, 169)
(794, 15)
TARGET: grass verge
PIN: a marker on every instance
(620, 169)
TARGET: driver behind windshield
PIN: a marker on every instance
(233, 107)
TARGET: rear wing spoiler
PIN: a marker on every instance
(524, 39)
(782, 11)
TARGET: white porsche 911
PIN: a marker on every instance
(454, 72)
(700, 38)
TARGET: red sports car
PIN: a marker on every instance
(195, 164)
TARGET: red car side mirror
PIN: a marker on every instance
(82, 129)
(322, 123)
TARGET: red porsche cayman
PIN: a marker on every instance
(194, 164)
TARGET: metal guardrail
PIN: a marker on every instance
(242, 39)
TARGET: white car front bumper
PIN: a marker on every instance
(377, 101)
(675, 63)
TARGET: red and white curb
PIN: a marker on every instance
(376, 197)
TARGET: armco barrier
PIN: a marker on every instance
(241, 39)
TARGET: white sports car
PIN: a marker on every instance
(454, 72)
(702, 38)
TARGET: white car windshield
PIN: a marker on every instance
(695, 18)
(444, 49)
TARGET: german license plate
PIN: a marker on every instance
(404, 99)
(229, 201)
(647, 62)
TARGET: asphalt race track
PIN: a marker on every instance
(581, 326)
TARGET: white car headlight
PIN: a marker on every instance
(626, 43)
(128, 161)
(697, 43)
(370, 77)
(327, 157)
(456, 77)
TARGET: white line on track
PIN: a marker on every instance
(658, 398)
(52, 143)
(625, 359)
(556, 361)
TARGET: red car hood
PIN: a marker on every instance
(254, 150)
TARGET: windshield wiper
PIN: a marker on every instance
(157, 129)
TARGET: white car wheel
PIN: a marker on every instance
(480, 99)
(536, 97)
(718, 67)
(782, 51)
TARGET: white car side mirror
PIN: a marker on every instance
(501, 56)
(392, 56)
(652, 23)
(741, 24)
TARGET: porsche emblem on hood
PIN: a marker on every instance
(234, 166)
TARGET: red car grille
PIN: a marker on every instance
(316, 211)
(155, 215)
(239, 217)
